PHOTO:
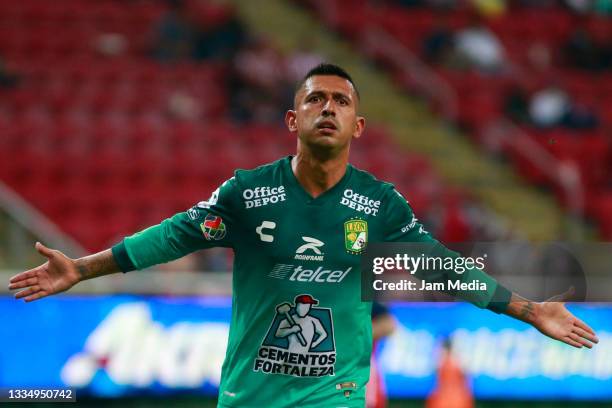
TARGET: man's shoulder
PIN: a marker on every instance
(259, 176)
(367, 180)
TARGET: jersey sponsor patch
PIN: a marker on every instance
(310, 251)
(213, 228)
(267, 226)
(355, 236)
(262, 196)
(298, 273)
(360, 203)
(299, 342)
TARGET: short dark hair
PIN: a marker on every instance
(327, 69)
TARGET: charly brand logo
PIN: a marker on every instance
(311, 245)
(261, 196)
(299, 341)
(355, 235)
(266, 225)
(213, 228)
(360, 202)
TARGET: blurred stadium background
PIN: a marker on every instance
(492, 116)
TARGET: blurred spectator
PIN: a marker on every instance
(182, 105)
(452, 389)
(516, 105)
(582, 52)
(534, 3)
(580, 117)
(409, 3)
(443, 4)
(438, 44)
(8, 79)
(302, 60)
(549, 106)
(383, 325)
(175, 34)
(539, 57)
(480, 48)
(580, 6)
(220, 33)
(111, 44)
(259, 87)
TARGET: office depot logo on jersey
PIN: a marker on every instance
(261, 196)
(360, 202)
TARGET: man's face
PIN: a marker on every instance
(302, 309)
(325, 115)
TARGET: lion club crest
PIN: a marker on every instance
(355, 235)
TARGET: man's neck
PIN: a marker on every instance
(318, 175)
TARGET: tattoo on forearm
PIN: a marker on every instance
(102, 263)
(82, 270)
(526, 310)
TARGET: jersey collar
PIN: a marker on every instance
(294, 185)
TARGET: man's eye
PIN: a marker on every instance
(314, 99)
(343, 102)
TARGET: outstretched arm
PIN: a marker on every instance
(553, 319)
(206, 225)
(60, 273)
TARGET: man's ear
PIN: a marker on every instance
(291, 120)
(359, 127)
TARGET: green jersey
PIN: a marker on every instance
(300, 334)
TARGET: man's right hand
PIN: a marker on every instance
(58, 274)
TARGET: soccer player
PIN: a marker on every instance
(297, 227)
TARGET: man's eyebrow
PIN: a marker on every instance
(315, 92)
(336, 94)
(342, 94)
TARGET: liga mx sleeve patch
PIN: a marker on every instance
(213, 228)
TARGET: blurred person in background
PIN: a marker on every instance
(480, 48)
(553, 107)
(582, 52)
(221, 39)
(258, 83)
(383, 325)
(452, 390)
(549, 106)
(438, 45)
(278, 216)
(300, 61)
(8, 79)
(175, 34)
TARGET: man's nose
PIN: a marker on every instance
(329, 108)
